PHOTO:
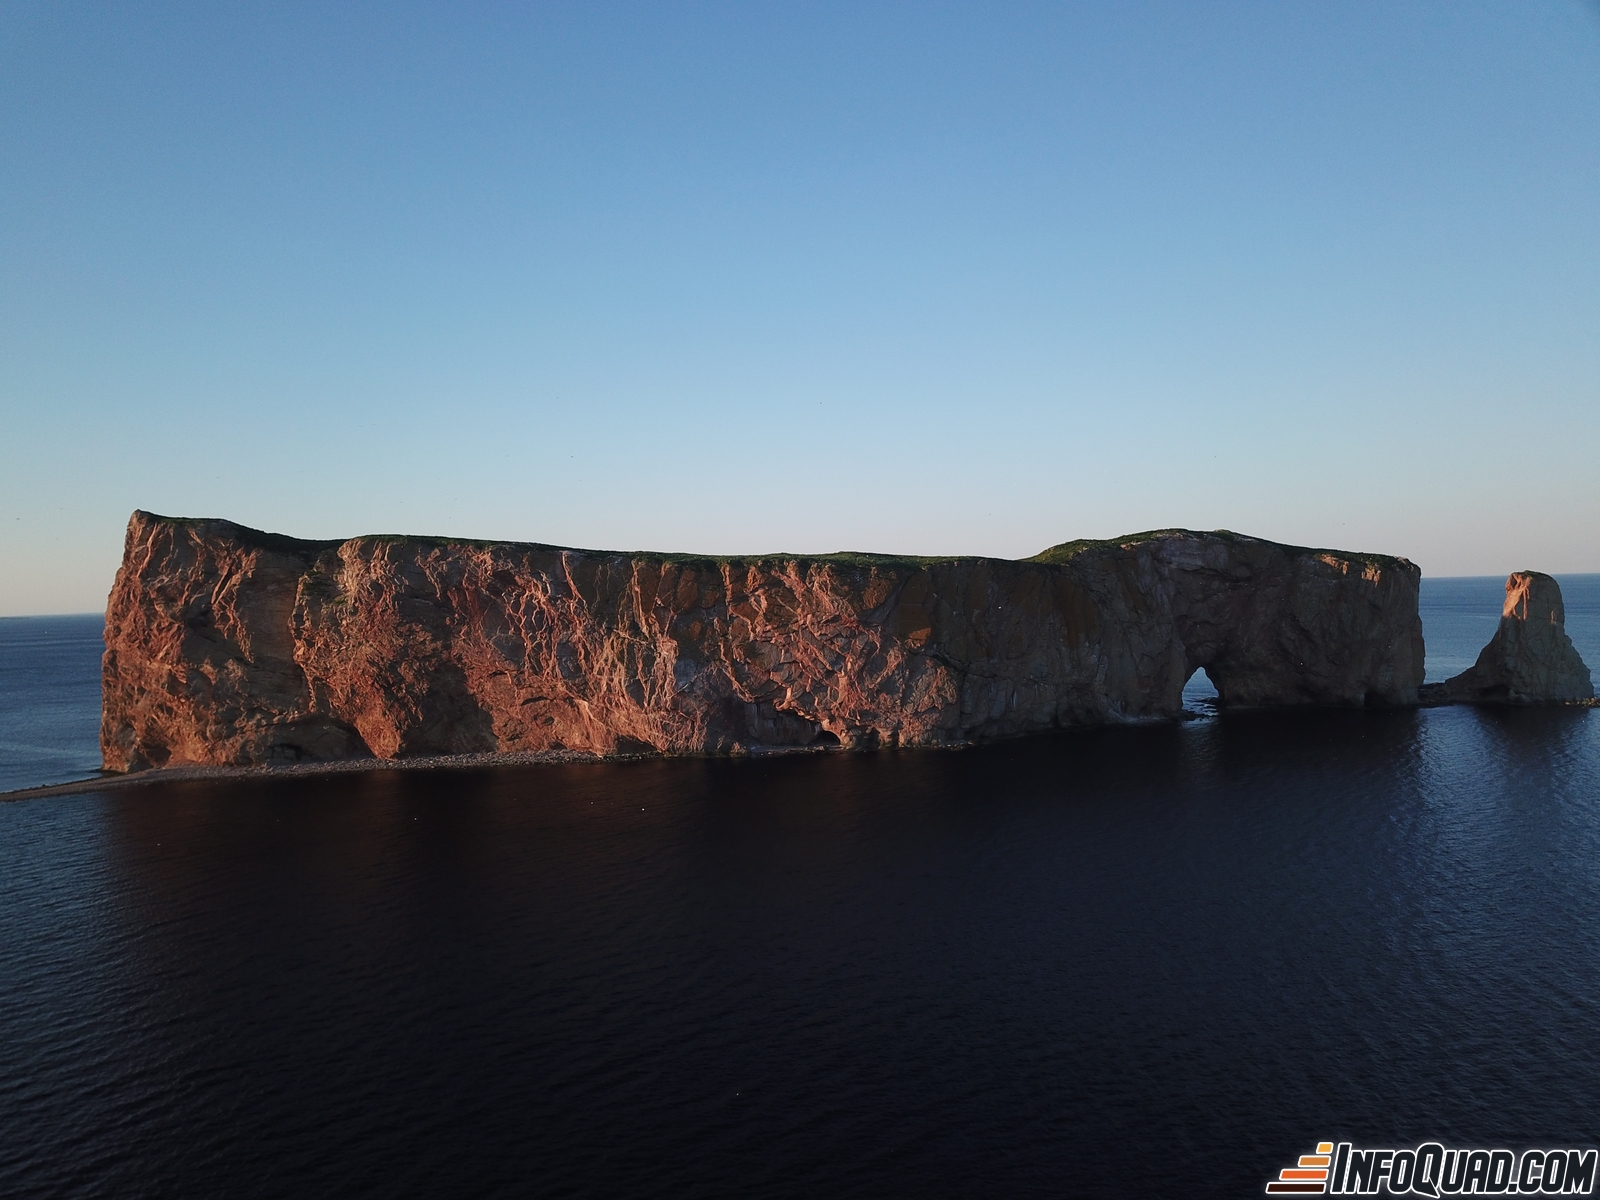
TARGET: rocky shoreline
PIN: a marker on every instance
(439, 762)
(111, 781)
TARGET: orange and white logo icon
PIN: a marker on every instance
(1310, 1175)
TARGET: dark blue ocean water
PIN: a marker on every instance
(49, 699)
(1156, 961)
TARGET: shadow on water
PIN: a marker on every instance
(1095, 964)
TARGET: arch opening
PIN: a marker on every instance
(825, 739)
(1199, 692)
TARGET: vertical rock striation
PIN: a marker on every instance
(1530, 659)
(225, 645)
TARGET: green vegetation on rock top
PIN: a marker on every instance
(1068, 550)
(282, 543)
(1065, 552)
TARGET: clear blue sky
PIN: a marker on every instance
(924, 278)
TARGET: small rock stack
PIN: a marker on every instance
(1530, 659)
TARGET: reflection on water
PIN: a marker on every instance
(1002, 971)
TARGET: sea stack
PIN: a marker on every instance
(226, 645)
(1530, 659)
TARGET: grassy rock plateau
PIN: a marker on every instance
(225, 645)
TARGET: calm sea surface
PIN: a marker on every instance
(1156, 961)
(49, 699)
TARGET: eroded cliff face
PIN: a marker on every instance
(229, 646)
(1530, 659)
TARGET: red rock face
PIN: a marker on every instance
(229, 646)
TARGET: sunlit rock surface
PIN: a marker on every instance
(1530, 659)
(225, 645)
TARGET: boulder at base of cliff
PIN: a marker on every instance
(1530, 659)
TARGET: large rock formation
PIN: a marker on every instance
(227, 645)
(1530, 659)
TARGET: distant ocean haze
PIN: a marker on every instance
(50, 670)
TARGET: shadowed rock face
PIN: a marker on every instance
(225, 645)
(1530, 659)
